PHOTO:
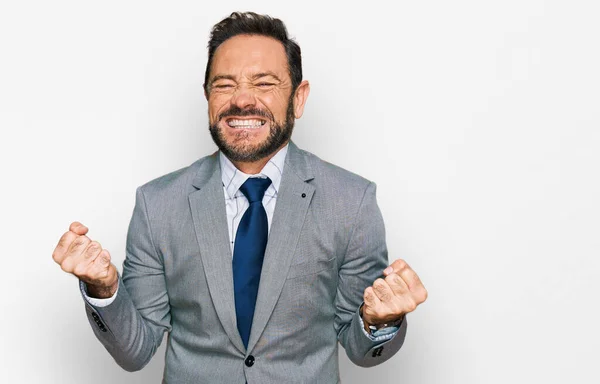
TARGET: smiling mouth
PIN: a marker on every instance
(246, 123)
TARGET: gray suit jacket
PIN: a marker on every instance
(326, 245)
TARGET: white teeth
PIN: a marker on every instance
(252, 123)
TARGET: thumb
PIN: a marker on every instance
(395, 267)
(78, 228)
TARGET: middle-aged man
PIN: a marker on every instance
(257, 259)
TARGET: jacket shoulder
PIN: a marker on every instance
(334, 175)
(179, 181)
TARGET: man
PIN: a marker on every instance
(239, 308)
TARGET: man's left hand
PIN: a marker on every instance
(389, 299)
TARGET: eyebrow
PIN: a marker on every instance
(222, 77)
(254, 77)
(265, 74)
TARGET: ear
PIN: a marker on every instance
(300, 98)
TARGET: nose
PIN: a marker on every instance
(243, 97)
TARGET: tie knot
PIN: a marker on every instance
(254, 189)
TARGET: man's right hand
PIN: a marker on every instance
(86, 260)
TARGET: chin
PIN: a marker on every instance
(244, 140)
(250, 145)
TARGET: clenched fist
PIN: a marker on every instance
(389, 299)
(84, 258)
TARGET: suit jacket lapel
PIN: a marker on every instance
(210, 223)
(293, 200)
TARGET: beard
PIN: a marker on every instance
(240, 151)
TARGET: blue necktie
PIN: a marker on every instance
(248, 254)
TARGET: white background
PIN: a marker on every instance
(477, 119)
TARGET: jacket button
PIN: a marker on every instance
(377, 352)
(249, 361)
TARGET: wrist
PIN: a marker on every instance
(372, 325)
(102, 291)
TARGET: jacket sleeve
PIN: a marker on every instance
(364, 261)
(132, 326)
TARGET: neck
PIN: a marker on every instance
(254, 167)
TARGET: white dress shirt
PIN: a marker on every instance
(235, 201)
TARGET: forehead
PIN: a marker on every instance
(244, 55)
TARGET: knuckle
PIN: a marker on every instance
(392, 279)
(368, 311)
(382, 289)
(65, 241)
(411, 306)
(398, 280)
(385, 296)
(81, 241)
(413, 275)
(368, 295)
(67, 266)
(93, 248)
(95, 244)
(424, 295)
(105, 258)
(65, 238)
(80, 270)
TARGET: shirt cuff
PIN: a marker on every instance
(94, 301)
(383, 334)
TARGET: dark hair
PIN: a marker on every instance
(250, 23)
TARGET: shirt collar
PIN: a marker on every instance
(233, 178)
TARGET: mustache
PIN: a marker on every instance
(237, 111)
